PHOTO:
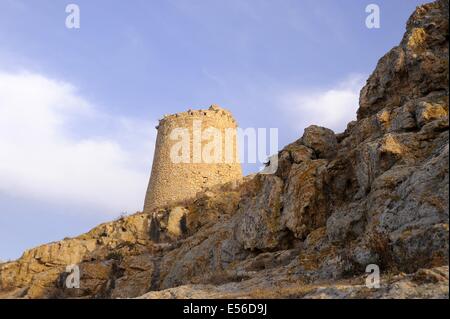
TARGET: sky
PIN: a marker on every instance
(78, 107)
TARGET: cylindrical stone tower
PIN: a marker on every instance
(194, 150)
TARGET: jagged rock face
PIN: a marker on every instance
(106, 252)
(321, 140)
(416, 68)
(374, 194)
(259, 225)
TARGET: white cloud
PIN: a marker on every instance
(51, 148)
(330, 107)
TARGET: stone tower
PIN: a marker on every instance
(175, 181)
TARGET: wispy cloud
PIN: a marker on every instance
(331, 107)
(44, 155)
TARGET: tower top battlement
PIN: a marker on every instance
(214, 111)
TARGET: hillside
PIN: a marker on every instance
(374, 194)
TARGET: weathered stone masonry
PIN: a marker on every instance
(177, 182)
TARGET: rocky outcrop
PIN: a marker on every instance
(416, 68)
(375, 194)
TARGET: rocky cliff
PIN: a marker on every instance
(374, 194)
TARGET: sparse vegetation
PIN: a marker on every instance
(379, 243)
(115, 255)
(122, 216)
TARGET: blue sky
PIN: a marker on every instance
(78, 106)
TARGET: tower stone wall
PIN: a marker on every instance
(172, 182)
